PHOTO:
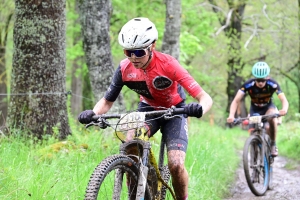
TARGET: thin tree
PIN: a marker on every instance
(76, 59)
(95, 18)
(171, 40)
(232, 26)
(6, 13)
(38, 102)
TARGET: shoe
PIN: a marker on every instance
(274, 151)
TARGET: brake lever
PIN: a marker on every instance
(168, 117)
(102, 123)
(236, 121)
(91, 124)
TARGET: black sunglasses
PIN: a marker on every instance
(260, 80)
(139, 53)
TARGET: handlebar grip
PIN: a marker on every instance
(179, 111)
(96, 117)
(278, 115)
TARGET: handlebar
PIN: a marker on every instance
(101, 120)
(171, 111)
(264, 118)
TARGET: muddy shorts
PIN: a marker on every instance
(174, 131)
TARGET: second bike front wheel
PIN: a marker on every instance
(116, 177)
(256, 166)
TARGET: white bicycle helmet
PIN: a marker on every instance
(260, 70)
(137, 33)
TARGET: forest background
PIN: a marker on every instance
(48, 75)
(219, 43)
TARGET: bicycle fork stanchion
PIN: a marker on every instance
(141, 188)
(262, 152)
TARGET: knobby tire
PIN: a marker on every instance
(256, 166)
(109, 179)
(166, 175)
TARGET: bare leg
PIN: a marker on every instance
(272, 130)
(178, 172)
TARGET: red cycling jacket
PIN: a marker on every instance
(160, 84)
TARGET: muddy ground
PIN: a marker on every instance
(286, 179)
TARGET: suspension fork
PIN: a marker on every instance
(142, 182)
(262, 152)
(161, 154)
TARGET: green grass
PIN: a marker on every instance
(61, 170)
(288, 140)
(211, 160)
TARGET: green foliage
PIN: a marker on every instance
(289, 139)
(212, 160)
(52, 169)
(202, 52)
(190, 46)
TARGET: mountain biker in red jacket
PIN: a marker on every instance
(160, 81)
(261, 89)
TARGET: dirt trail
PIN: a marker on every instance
(286, 183)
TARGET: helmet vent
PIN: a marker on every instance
(149, 28)
(135, 38)
(146, 41)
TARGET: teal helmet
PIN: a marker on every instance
(260, 70)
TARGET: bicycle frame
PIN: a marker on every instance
(259, 131)
(257, 158)
(141, 141)
(145, 178)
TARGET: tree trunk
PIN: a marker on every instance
(76, 87)
(3, 88)
(77, 64)
(38, 73)
(3, 77)
(95, 18)
(171, 39)
(233, 32)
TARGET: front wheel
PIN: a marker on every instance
(116, 177)
(256, 166)
(270, 160)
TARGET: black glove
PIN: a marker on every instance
(193, 110)
(85, 117)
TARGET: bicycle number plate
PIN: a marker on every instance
(132, 120)
(254, 119)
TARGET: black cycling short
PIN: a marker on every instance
(174, 131)
(261, 110)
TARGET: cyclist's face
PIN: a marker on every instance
(141, 63)
(260, 83)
